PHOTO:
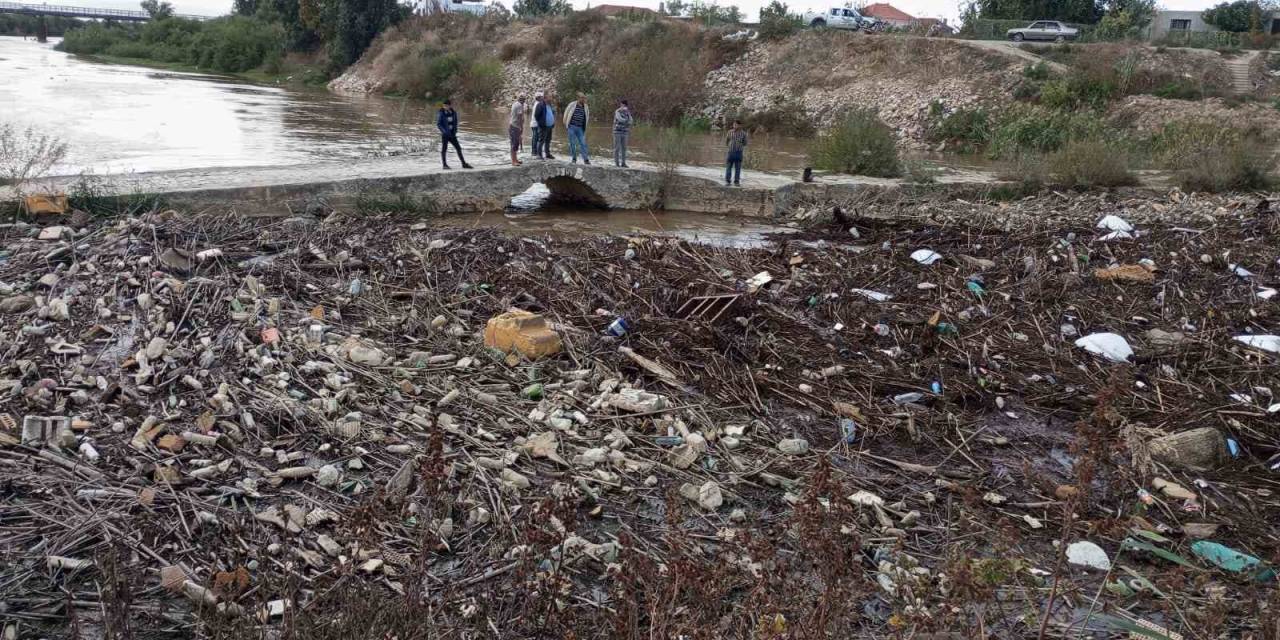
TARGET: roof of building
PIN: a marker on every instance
(885, 11)
(617, 9)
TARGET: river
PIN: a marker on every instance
(120, 118)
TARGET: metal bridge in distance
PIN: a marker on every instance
(83, 12)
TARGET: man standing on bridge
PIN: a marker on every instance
(737, 143)
(447, 123)
(515, 128)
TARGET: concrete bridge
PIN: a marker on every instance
(67, 11)
(418, 183)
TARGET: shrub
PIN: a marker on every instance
(482, 81)
(1091, 163)
(964, 130)
(510, 51)
(1206, 156)
(577, 77)
(1036, 129)
(1080, 89)
(1037, 71)
(920, 172)
(1027, 169)
(1178, 90)
(776, 22)
(699, 124)
(860, 144)
(659, 74)
(93, 38)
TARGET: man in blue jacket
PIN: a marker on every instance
(447, 123)
(544, 120)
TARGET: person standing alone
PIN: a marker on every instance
(737, 143)
(622, 122)
(515, 128)
(576, 117)
(447, 124)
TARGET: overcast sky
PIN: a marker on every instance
(949, 9)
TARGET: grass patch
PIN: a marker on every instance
(859, 144)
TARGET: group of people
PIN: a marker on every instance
(576, 116)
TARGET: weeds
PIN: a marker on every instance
(1242, 165)
(784, 115)
(920, 172)
(1091, 163)
(860, 144)
(963, 130)
(1037, 71)
(671, 148)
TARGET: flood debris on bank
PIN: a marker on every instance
(330, 428)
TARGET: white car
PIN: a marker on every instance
(836, 18)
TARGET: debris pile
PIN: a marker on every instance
(350, 423)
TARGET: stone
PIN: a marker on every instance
(1125, 273)
(1161, 340)
(328, 476)
(523, 332)
(371, 356)
(1202, 448)
(16, 304)
(793, 446)
(55, 233)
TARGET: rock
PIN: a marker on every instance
(1161, 340)
(523, 332)
(176, 260)
(708, 495)
(55, 233)
(1125, 273)
(366, 355)
(1204, 448)
(514, 480)
(793, 446)
(1089, 555)
(328, 476)
(16, 304)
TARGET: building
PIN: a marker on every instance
(888, 14)
(1171, 24)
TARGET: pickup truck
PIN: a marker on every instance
(1044, 30)
(837, 18)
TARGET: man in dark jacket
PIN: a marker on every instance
(544, 120)
(447, 123)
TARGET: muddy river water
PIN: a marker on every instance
(119, 119)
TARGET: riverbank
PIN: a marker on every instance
(290, 74)
(243, 427)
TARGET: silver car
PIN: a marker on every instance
(1050, 30)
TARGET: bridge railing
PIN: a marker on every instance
(83, 12)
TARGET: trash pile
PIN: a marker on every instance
(356, 425)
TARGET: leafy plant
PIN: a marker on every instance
(777, 22)
(860, 144)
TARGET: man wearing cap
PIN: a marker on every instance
(447, 123)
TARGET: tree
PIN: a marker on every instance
(349, 26)
(1236, 17)
(1086, 11)
(540, 8)
(673, 8)
(777, 23)
(713, 14)
(157, 10)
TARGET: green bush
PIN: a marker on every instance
(776, 22)
(860, 144)
(1027, 128)
(1079, 90)
(1091, 163)
(659, 74)
(963, 130)
(1037, 71)
(482, 81)
(234, 44)
(1178, 90)
(575, 78)
(93, 38)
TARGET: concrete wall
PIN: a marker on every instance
(1160, 25)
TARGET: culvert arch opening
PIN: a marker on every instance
(559, 192)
